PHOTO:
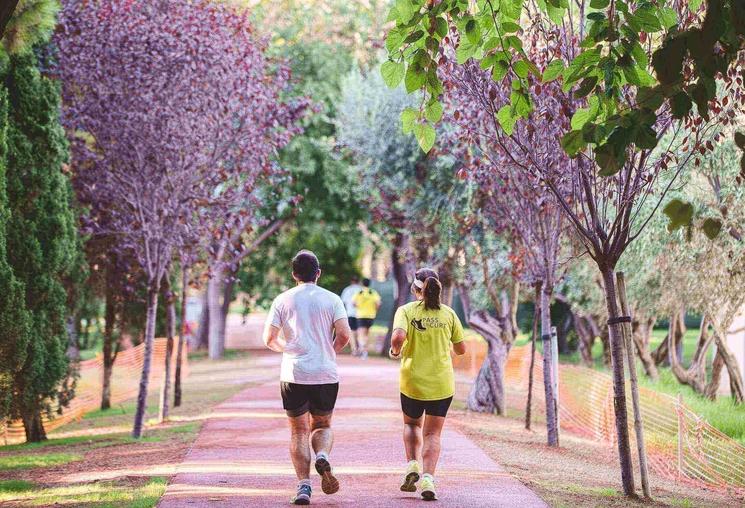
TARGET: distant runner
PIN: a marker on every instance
(347, 296)
(308, 317)
(366, 303)
(423, 332)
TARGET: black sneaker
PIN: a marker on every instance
(303, 495)
(329, 483)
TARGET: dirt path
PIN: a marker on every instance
(241, 459)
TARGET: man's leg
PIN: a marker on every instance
(299, 445)
(431, 450)
(321, 438)
(362, 340)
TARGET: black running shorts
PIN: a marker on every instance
(298, 399)
(415, 408)
(365, 322)
(353, 323)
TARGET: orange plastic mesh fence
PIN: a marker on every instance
(680, 444)
(125, 380)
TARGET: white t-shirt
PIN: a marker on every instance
(306, 315)
(347, 296)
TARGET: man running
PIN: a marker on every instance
(314, 328)
(366, 304)
(347, 296)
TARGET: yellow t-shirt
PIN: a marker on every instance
(366, 302)
(426, 365)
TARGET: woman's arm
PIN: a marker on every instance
(397, 341)
(460, 348)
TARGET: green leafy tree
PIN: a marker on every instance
(41, 236)
(328, 208)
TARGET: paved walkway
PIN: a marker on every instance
(241, 458)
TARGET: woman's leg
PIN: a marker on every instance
(431, 449)
(413, 437)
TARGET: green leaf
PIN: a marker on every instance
(405, 9)
(712, 227)
(638, 76)
(408, 119)
(680, 104)
(510, 27)
(668, 17)
(646, 18)
(679, 213)
(466, 49)
(740, 140)
(392, 72)
(415, 78)
(425, 136)
(441, 26)
(586, 86)
(395, 39)
(693, 5)
(499, 71)
(473, 32)
(646, 137)
(520, 103)
(506, 119)
(609, 163)
(433, 111)
(599, 4)
(572, 142)
(649, 98)
(553, 70)
(521, 69)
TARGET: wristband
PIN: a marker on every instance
(395, 357)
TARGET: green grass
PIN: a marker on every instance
(101, 494)
(29, 461)
(15, 486)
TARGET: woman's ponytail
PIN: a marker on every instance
(431, 290)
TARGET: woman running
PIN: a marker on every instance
(422, 334)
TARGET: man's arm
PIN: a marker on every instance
(343, 333)
(272, 340)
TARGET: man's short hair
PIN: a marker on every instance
(366, 282)
(305, 266)
(354, 279)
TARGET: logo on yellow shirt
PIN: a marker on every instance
(417, 323)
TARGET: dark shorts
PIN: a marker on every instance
(415, 408)
(353, 323)
(298, 399)
(364, 322)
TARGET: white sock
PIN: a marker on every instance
(413, 462)
(322, 455)
(427, 475)
(305, 481)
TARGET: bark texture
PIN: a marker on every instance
(169, 301)
(487, 393)
(152, 309)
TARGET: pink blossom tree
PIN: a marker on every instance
(174, 115)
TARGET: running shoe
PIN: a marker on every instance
(411, 477)
(303, 494)
(428, 488)
(329, 483)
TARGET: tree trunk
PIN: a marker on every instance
(152, 309)
(203, 333)
(6, 12)
(712, 387)
(487, 392)
(619, 390)
(182, 337)
(733, 370)
(631, 360)
(533, 338)
(109, 354)
(33, 426)
(604, 335)
(586, 337)
(216, 342)
(398, 267)
(641, 332)
(552, 430)
(695, 375)
(170, 304)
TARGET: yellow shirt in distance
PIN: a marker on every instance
(426, 364)
(366, 302)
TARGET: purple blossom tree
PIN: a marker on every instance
(511, 200)
(173, 114)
